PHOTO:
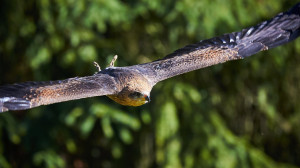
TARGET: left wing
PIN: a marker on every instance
(281, 29)
(27, 95)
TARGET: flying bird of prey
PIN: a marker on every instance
(131, 85)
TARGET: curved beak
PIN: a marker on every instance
(147, 98)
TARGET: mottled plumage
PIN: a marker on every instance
(132, 85)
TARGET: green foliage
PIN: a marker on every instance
(238, 114)
(49, 158)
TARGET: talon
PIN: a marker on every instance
(97, 66)
(113, 61)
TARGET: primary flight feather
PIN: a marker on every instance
(132, 85)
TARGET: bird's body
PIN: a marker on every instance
(132, 85)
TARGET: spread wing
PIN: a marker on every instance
(31, 94)
(281, 29)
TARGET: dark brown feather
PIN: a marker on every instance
(120, 82)
(281, 29)
(31, 94)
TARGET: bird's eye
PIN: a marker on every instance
(135, 95)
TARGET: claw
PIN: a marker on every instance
(113, 61)
(97, 66)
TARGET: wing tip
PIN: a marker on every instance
(13, 103)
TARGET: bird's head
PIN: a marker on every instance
(139, 98)
(135, 90)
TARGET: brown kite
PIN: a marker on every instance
(131, 85)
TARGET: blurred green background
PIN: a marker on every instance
(242, 113)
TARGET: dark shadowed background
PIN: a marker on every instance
(243, 113)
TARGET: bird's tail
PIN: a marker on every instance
(281, 29)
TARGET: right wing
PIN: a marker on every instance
(27, 95)
(281, 29)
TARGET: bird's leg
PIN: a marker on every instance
(113, 61)
(97, 66)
